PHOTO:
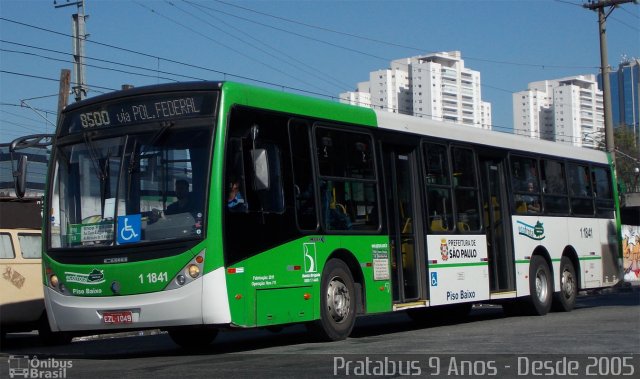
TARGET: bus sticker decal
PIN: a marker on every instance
(94, 277)
(444, 248)
(129, 228)
(310, 257)
(534, 232)
(380, 255)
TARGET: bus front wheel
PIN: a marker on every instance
(565, 300)
(540, 285)
(337, 303)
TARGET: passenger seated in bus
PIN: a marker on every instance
(235, 200)
(529, 203)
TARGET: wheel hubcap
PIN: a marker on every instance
(541, 286)
(338, 300)
(568, 284)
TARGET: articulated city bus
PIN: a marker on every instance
(197, 207)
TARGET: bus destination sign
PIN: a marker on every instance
(138, 110)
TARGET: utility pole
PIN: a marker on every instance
(600, 6)
(63, 94)
(79, 36)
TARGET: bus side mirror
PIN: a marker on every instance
(20, 177)
(260, 169)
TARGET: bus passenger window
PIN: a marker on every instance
(603, 193)
(465, 190)
(304, 188)
(438, 182)
(580, 190)
(555, 187)
(526, 185)
(348, 195)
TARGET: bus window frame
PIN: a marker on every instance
(314, 173)
(318, 177)
(566, 197)
(601, 211)
(517, 193)
(588, 196)
(428, 186)
(481, 228)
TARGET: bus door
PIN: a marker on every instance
(404, 213)
(497, 221)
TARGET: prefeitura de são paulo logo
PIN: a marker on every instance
(444, 249)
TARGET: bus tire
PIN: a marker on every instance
(540, 286)
(195, 338)
(565, 299)
(337, 303)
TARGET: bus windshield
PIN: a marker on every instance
(132, 188)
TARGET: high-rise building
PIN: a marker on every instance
(435, 86)
(568, 110)
(625, 94)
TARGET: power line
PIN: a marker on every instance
(225, 74)
(155, 70)
(21, 106)
(317, 73)
(414, 48)
(45, 78)
(297, 34)
(154, 11)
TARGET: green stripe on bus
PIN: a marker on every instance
(442, 265)
(521, 261)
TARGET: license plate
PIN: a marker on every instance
(120, 317)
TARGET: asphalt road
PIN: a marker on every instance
(601, 336)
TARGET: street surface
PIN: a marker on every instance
(601, 336)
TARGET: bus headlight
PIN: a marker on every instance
(53, 281)
(190, 272)
(194, 271)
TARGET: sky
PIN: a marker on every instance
(319, 48)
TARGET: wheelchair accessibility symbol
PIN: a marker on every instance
(434, 279)
(129, 228)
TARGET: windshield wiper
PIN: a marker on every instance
(102, 173)
(164, 127)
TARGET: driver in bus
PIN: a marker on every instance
(184, 202)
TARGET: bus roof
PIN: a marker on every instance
(299, 104)
(255, 96)
(463, 133)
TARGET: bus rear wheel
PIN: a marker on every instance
(565, 300)
(337, 303)
(540, 286)
(195, 338)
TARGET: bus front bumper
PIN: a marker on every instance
(177, 307)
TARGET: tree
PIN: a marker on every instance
(627, 161)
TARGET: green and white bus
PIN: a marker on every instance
(196, 207)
